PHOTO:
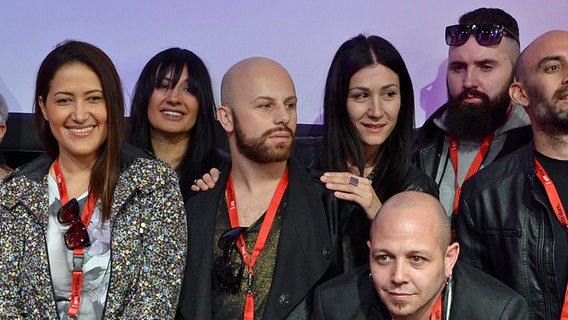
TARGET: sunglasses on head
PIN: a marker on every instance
(485, 34)
(229, 274)
(77, 235)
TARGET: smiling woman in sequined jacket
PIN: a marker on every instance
(93, 228)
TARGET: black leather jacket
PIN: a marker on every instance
(474, 296)
(429, 142)
(504, 228)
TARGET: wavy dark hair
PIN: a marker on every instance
(201, 144)
(341, 142)
(105, 172)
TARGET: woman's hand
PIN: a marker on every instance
(206, 182)
(350, 187)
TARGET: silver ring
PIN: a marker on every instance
(353, 181)
(195, 181)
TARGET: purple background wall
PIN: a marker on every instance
(302, 35)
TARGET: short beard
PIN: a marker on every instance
(408, 308)
(475, 121)
(552, 120)
(258, 150)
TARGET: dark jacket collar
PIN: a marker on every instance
(306, 229)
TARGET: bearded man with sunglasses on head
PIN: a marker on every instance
(478, 124)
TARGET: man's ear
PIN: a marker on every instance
(451, 258)
(225, 117)
(518, 94)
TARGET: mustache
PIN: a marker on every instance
(560, 92)
(279, 129)
(472, 92)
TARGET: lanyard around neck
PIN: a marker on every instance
(475, 165)
(437, 311)
(78, 254)
(559, 211)
(262, 236)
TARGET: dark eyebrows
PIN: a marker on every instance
(486, 61)
(547, 59)
(383, 251)
(476, 62)
(70, 93)
(291, 99)
(365, 89)
(359, 88)
(270, 99)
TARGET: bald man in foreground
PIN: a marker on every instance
(268, 232)
(413, 273)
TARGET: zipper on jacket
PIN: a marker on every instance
(542, 243)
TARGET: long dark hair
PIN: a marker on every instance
(105, 172)
(201, 143)
(341, 142)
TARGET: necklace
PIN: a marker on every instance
(371, 175)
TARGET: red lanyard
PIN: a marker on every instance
(558, 208)
(78, 253)
(475, 165)
(262, 236)
(437, 311)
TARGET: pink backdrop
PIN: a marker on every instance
(302, 35)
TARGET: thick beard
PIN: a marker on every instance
(258, 150)
(475, 121)
(552, 120)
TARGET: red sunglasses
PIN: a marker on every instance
(77, 235)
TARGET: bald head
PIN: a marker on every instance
(547, 46)
(413, 210)
(250, 72)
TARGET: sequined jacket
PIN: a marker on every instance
(148, 244)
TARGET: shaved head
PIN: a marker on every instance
(410, 254)
(529, 59)
(542, 90)
(250, 69)
(417, 207)
(258, 110)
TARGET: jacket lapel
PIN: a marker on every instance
(305, 248)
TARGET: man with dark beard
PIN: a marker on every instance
(268, 232)
(512, 219)
(478, 124)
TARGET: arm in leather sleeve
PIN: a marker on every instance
(473, 249)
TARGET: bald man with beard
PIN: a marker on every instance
(268, 232)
